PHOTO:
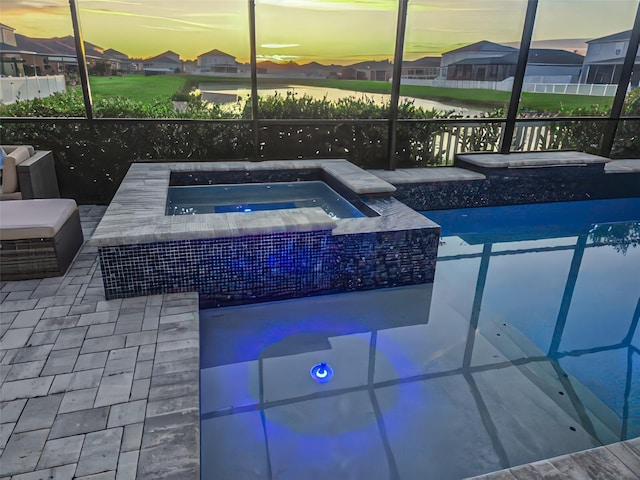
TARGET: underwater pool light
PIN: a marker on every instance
(247, 209)
(321, 373)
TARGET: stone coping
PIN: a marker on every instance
(137, 212)
(530, 159)
(428, 175)
(627, 165)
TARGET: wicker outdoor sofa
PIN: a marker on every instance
(38, 238)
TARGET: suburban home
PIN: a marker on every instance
(545, 65)
(483, 49)
(120, 62)
(218, 62)
(380, 71)
(604, 59)
(423, 68)
(167, 62)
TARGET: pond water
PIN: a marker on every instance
(220, 94)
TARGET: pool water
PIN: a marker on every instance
(525, 347)
(251, 197)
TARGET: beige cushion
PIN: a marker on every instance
(9, 170)
(38, 218)
(11, 148)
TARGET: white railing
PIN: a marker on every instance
(28, 88)
(592, 89)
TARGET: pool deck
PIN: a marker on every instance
(96, 389)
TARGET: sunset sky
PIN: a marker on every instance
(326, 31)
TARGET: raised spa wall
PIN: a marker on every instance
(236, 258)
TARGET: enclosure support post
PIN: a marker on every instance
(254, 81)
(82, 59)
(395, 83)
(523, 57)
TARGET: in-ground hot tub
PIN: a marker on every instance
(253, 197)
(241, 257)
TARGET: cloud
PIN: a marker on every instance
(342, 5)
(277, 58)
(279, 45)
(152, 17)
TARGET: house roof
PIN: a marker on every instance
(164, 57)
(372, 65)
(4, 25)
(56, 46)
(6, 48)
(215, 53)
(111, 53)
(422, 62)
(483, 46)
(620, 36)
(538, 56)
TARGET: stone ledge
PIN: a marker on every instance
(529, 159)
(428, 175)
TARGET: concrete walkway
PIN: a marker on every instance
(95, 389)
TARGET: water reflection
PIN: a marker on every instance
(526, 346)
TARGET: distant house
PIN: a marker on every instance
(167, 62)
(380, 71)
(544, 65)
(424, 68)
(604, 59)
(218, 62)
(483, 49)
(120, 62)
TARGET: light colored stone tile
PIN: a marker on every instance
(121, 361)
(56, 311)
(10, 411)
(146, 352)
(102, 344)
(140, 389)
(141, 338)
(70, 338)
(21, 371)
(6, 429)
(143, 370)
(85, 379)
(132, 437)
(28, 388)
(114, 389)
(127, 413)
(39, 413)
(110, 475)
(15, 338)
(101, 330)
(78, 400)
(91, 361)
(60, 383)
(127, 465)
(100, 452)
(27, 318)
(64, 472)
(76, 423)
(43, 338)
(97, 317)
(30, 354)
(22, 452)
(58, 323)
(61, 451)
(61, 361)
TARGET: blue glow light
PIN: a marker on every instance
(321, 373)
(247, 209)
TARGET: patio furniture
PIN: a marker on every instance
(38, 238)
(28, 173)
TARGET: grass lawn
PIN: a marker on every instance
(149, 88)
(143, 89)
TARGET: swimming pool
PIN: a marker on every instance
(251, 197)
(526, 346)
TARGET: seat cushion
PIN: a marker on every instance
(9, 168)
(38, 218)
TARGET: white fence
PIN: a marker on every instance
(28, 88)
(506, 85)
(591, 89)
